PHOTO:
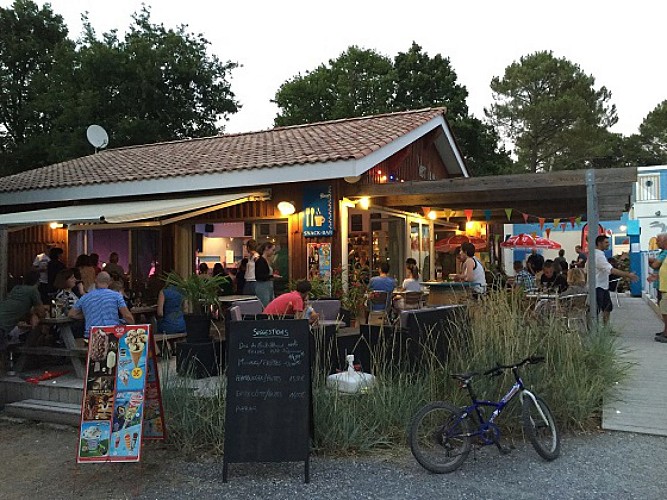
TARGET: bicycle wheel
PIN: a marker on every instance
(539, 424)
(439, 438)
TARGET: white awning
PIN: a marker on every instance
(119, 212)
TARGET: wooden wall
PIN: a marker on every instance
(25, 244)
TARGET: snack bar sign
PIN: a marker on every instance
(318, 211)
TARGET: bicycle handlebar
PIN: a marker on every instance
(497, 370)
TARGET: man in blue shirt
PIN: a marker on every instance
(101, 306)
(382, 283)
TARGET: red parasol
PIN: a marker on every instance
(527, 241)
(450, 244)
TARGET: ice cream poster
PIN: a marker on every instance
(318, 211)
(114, 394)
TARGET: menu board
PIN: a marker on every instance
(319, 262)
(268, 404)
(115, 398)
(317, 211)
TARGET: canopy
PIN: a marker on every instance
(527, 241)
(120, 211)
(450, 244)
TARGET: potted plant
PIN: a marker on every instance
(201, 293)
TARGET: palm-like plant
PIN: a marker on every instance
(200, 291)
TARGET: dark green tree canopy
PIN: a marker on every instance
(362, 82)
(154, 84)
(550, 109)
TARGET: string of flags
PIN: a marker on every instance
(556, 223)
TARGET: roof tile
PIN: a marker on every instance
(321, 142)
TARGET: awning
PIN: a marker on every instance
(120, 212)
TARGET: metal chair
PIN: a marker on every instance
(380, 308)
(613, 288)
(573, 309)
(413, 300)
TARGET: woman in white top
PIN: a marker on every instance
(250, 280)
(411, 282)
(473, 269)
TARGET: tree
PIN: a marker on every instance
(362, 82)
(155, 84)
(549, 108)
(31, 42)
(653, 135)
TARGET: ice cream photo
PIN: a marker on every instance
(136, 343)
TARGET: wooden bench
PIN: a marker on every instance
(77, 356)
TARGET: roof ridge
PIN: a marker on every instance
(276, 129)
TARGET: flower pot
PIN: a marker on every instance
(197, 326)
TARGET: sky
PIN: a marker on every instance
(620, 43)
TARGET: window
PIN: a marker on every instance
(648, 187)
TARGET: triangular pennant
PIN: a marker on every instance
(542, 221)
(487, 215)
(468, 212)
(534, 235)
(572, 220)
(556, 223)
(525, 218)
(548, 231)
(508, 212)
(563, 226)
(578, 221)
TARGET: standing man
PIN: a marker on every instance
(41, 264)
(560, 260)
(602, 271)
(581, 256)
(101, 306)
(658, 262)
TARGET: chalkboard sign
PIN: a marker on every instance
(268, 404)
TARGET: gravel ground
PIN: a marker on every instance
(38, 463)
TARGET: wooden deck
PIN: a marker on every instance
(642, 403)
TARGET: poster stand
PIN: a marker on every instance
(122, 402)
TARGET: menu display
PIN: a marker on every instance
(116, 395)
(268, 405)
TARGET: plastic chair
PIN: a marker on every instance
(235, 313)
(413, 300)
(249, 307)
(613, 288)
(328, 309)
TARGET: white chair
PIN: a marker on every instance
(327, 309)
(249, 307)
(235, 313)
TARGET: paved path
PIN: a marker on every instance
(642, 404)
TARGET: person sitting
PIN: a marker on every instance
(382, 283)
(535, 263)
(581, 256)
(227, 288)
(411, 282)
(203, 268)
(54, 266)
(550, 280)
(101, 306)
(292, 303)
(119, 286)
(170, 311)
(576, 282)
(87, 272)
(69, 291)
(95, 262)
(522, 278)
(473, 270)
(113, 268)
(22, 300)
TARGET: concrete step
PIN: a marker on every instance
(45, 411)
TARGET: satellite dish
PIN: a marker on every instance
(97, 136)
(352, 179)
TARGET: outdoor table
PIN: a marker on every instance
(447, 292)
(146, 314)
(74, 353)
(228, 299)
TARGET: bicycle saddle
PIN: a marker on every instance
(463, 377)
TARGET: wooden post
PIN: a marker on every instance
(4, 255)
(593, 222)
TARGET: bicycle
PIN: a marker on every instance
(441, 434)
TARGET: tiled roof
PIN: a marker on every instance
(313, 143)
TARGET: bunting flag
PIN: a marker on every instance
(578, 221)
(487, 215)
(508, 212)
(548, 231)
(542, 221)
(572, 220)
(525, 218)
(563, 226)
(468, 212)
(534, 235)
(556, 223)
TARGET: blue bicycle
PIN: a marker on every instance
(441, 434)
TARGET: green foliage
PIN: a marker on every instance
(649, 147)
(552, 112)
(154, 84)
(200, 291)
(362, 82)
(581, 370)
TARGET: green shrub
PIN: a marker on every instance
(580, 371)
